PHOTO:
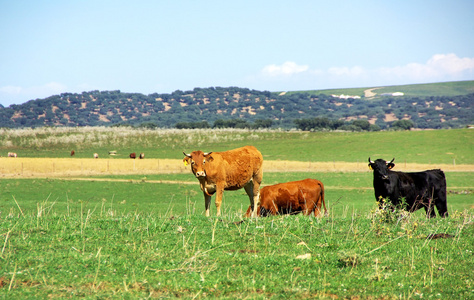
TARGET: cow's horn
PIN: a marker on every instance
(370, 161)
(207, 153)
(188, 155)
(392, 160)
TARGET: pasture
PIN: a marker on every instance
(137, 232)
(424, 147)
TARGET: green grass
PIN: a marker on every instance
(433, 146)
(454, 88)
(107, 254)
(139, 238)
(347, 91)
(142, 194)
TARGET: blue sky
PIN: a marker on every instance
(51, 47)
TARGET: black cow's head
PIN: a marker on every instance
(197, 159)
(381, 168)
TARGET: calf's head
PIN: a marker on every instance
(381, 167)
(197, 160)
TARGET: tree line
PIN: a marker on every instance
(314, 124)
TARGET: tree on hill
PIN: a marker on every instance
(219, 105)
(402, 125)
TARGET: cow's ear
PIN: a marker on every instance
(208, 156)
(186, 160)
(370, 167)
(390, 165)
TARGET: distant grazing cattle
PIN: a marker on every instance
(73, 153)
(133, 155)
(293, 197)
(228, 170)
(418, 189)
(142, 155)
(96, 155)
(12, 154)
(112, 152)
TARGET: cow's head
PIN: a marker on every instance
(197, 160)
(381, 167)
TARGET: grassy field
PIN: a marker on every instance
(416, 90)
(107, 250)
(180, 193)
(428, 147)
(145, 236)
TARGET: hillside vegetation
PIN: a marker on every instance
(443, 105)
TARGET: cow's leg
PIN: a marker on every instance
(219, 193)
(249, 189)
(252, 188)
(207, 203)
(317, 208)
(256, 181)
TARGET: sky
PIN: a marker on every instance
(52, 47)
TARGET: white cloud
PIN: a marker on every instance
(10, 90)
(45, 90)
(450, 64)
(287, 68)
(18, 94)
(438, 67)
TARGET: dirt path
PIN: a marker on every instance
(369, 93)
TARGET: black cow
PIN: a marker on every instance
(419, 189)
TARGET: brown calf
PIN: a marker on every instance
(293, 197)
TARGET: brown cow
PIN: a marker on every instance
(305, 196)
(133, 155)
(73, 152)
(142, 155)
(229, 170)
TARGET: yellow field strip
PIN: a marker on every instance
(67, 167)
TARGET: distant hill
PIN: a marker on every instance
(438, 105)
(453, 88)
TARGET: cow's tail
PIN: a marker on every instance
(321, 187)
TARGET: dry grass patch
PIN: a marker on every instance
(60, 167)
